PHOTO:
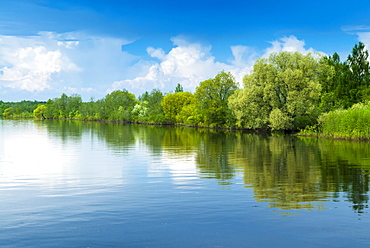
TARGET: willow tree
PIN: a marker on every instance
(281, 92)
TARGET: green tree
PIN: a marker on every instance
(140, 111)
(179, 88)
(281, 93)
(360, 73)
(40, 111)
(89, 109)
(173, 104)
(65, 106)
(212, 100)
(335, 92)
(351, 80)
(155, 112)
(9, 112)
(3, 106)
(60, 106)
(117, 106)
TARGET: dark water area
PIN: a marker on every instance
(89, 184)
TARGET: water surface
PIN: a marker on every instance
(89, 184)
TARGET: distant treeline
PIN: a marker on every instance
(286, 91)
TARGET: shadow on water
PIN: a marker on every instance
(287, 172)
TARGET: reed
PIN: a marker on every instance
(352, 123)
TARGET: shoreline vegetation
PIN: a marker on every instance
(309, 95)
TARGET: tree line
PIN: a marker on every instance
(286, 91)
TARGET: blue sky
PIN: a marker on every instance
(92, 47)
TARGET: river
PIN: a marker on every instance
(91, 184)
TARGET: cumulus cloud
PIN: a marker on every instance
(28, 64)
(288, 44)
(30, 67)
(156, 53)
(186, 63)
(32, 70)
(56, 62)
(190, 63)
(89, 65)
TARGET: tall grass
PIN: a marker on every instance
(352, 123)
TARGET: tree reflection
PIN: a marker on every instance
(345, 167)
(213, 155)
(280, 170)
(118, 137)
(288, 172)
(64, 129)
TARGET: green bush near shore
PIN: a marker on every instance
(352, 123)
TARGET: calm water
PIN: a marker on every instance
(78, 184)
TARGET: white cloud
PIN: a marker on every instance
(187, 64)
(55, 62)
(354, 28)
(156, 53)
(191, 63)
(28, 64)
(31, 68)
(75, 62)
(364, 37)
(288, 44)
(68, 44)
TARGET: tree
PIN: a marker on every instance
(118, 105)
(40, 111)
(281, 93)
(335, 92)
(173, 104)
(140, 111)
(154, 111)
(212, 99)
(350, 82)
(360, 73)
(65, 106)
(359, 65)
(179, 88)
(9, 112)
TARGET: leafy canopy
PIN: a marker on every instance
(281, 92)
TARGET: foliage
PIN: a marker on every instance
(64, 107)
(154, 112)
(352, 123)
(280, 90)
(174, 103)
(18, 109)
(118, 105)
(40, 111)
(140, 111)
(351, 80)
(212, 100)
(179, 88)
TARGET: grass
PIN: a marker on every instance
(352, 123)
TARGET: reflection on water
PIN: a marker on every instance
(287, 172)
(91, 184)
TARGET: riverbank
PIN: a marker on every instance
(347, 124)
(259, 131)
